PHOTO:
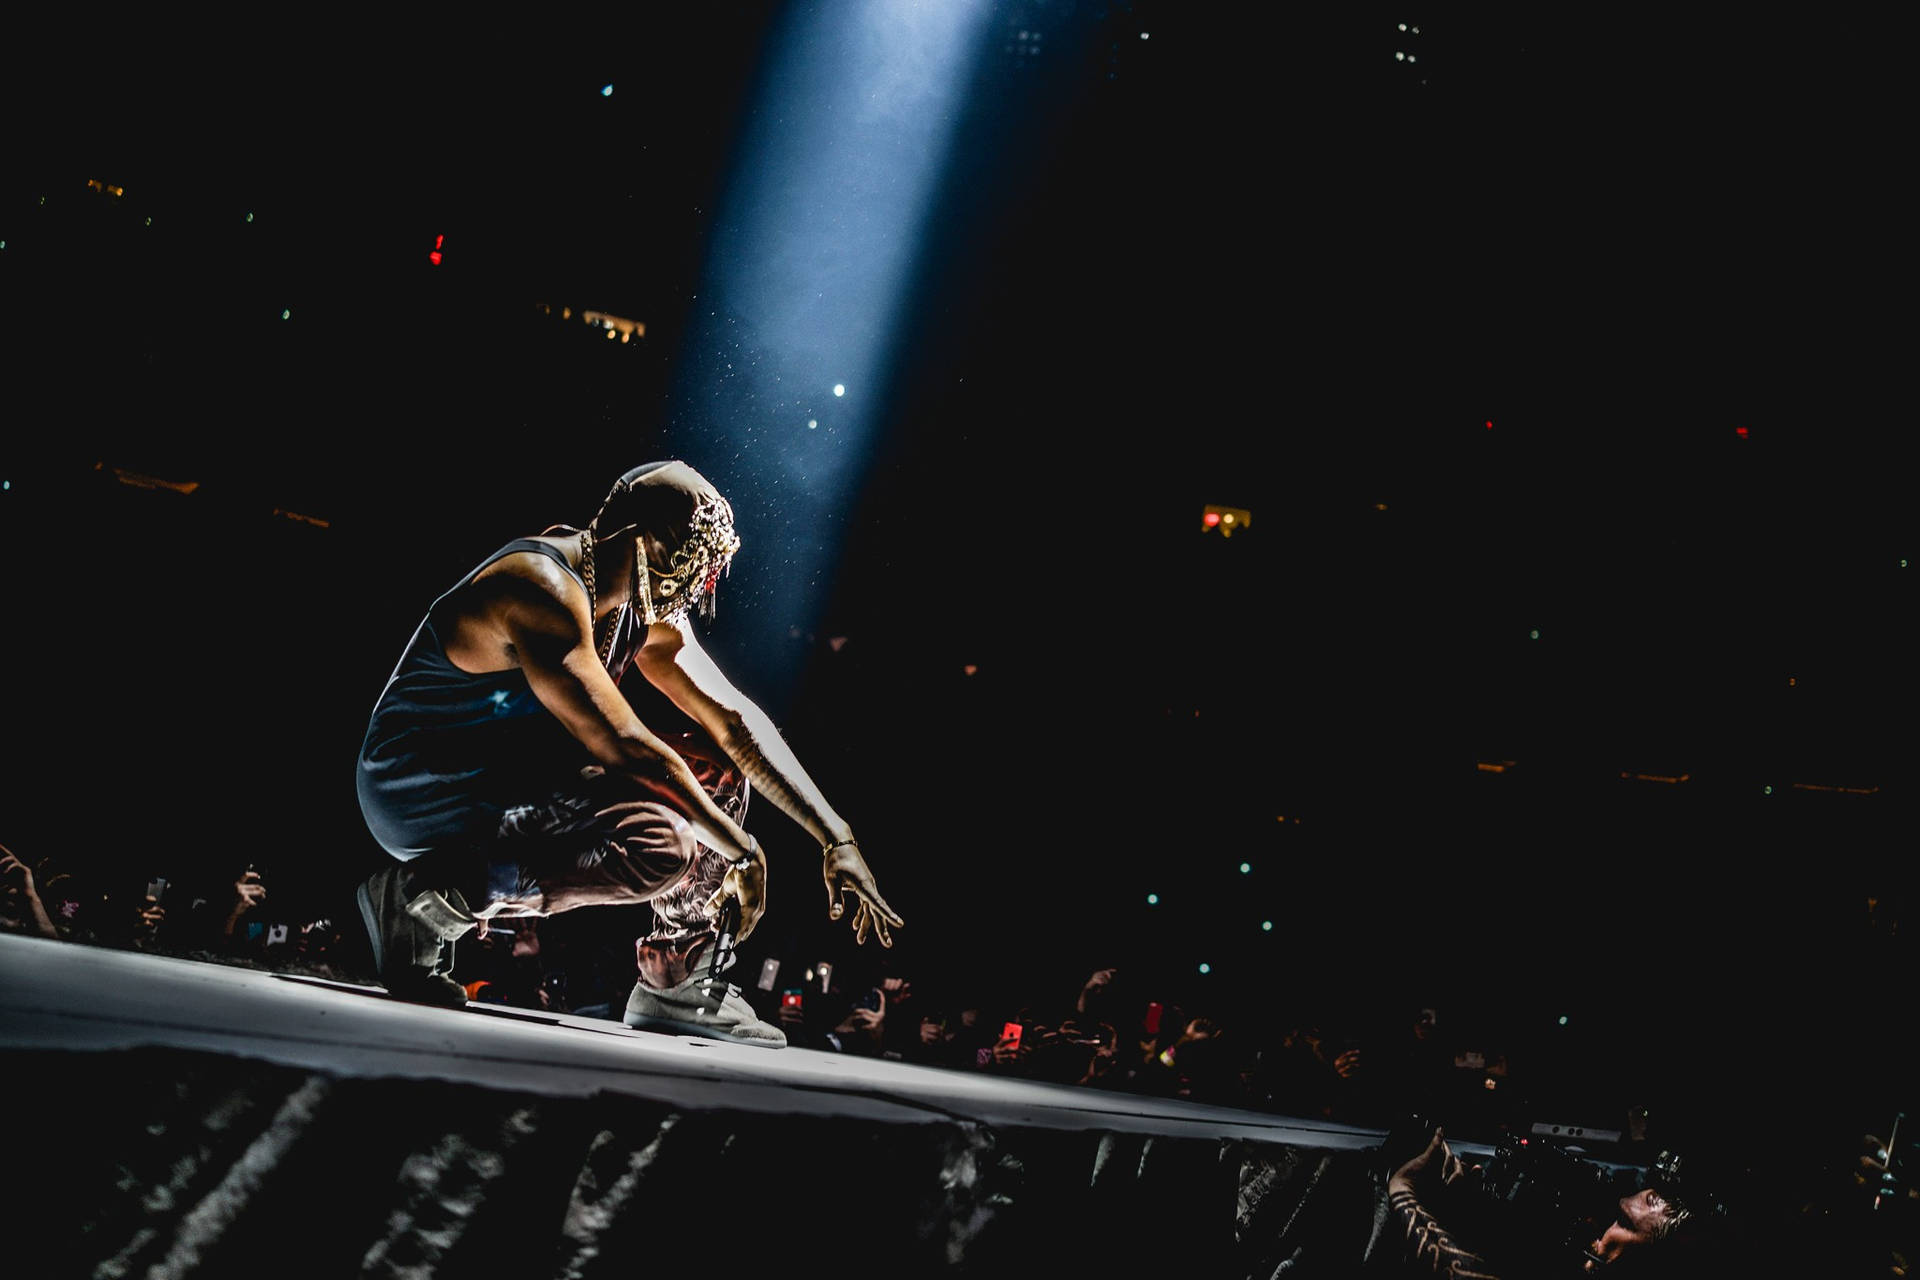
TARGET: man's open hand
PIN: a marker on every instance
(845, 872)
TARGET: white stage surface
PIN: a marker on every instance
(176, 1118)
(61, 996)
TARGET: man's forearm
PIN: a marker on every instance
(1429, 1245)
(41, 920)
(773, 770)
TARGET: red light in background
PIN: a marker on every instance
(1741, 432)
(434, 257)
(1489, 424)
(439, 243)
(1225, 521)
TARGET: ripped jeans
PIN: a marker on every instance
(588, 846)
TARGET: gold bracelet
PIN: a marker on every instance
(836, 844)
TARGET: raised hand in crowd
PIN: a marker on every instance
(248, 893)
(1196, 1030)
(863, 1031)
(1093, 994)
(1102, 1044)
(1011, 1051)
(24, 910)
(148, 918)
(933, 1036)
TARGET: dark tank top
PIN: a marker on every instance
(446, 750)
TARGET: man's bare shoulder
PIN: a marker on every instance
(517, 598)
(531, 568)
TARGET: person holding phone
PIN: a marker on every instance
(507, 769)
(150, 917)
(863, 1031)
(249, 891)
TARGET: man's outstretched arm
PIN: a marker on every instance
(673, 661)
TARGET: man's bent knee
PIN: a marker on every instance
(652, 845)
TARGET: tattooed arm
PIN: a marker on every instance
(1431, 1247)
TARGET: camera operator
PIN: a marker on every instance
(1435, 1188)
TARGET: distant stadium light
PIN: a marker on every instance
(1227, 520)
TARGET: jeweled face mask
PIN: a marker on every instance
(688, 582)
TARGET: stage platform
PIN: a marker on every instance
(181, 1118)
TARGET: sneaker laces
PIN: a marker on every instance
(725, 928)
(707, 987)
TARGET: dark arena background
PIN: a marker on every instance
(1326, 516)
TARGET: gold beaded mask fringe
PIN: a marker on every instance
(689, 581)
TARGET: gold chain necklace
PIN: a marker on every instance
(613, 619)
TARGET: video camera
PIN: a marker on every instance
(1556, 1201)
(1532, 1199)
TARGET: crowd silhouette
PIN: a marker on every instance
(1107, 1031)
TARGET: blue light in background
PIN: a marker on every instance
(805, 284)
